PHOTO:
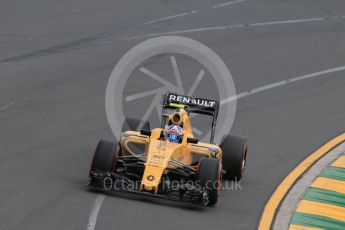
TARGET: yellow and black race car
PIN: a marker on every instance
(169, 162)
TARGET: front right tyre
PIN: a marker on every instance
(210, 177)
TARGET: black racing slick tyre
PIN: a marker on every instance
(210, 176)
(234, 156)
(132, 124)
(105, 156)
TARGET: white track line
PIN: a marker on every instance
(281, 83)
(227, 3)
(99, 200)
(168, 18)
(288, 21)
(236, 26)
(186, 13)
(7, 105)
(94, 212)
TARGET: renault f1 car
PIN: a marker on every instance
(146, 162)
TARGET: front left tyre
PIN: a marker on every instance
(105, 156)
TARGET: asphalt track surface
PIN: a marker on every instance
(56, 58)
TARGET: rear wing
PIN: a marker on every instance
(192, 105)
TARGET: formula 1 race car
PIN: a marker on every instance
(169, 162)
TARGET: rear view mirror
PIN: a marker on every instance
(145, 132)
(192, 140)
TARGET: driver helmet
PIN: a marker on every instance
(175, 133)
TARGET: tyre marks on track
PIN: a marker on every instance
(103, 35)
(189, 12)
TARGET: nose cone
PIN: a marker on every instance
(151, 178)
(158, 157)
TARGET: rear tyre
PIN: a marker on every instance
(105, 156)
(132, 124)
(234, 156)
(210, 176)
